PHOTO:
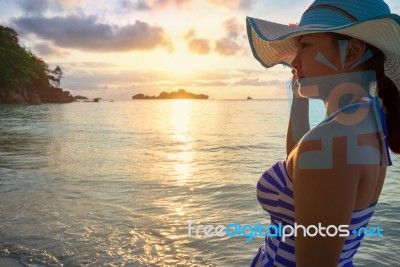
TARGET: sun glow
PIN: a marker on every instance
(181, 67)
(181, 64)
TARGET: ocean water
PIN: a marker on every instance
(116, 183)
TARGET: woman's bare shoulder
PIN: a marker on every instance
(330, 147)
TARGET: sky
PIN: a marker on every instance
(115, 49)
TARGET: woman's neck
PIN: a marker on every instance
(334, 104)
(346, 89)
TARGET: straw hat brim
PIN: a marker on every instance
(273, 43)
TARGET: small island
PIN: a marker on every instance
(180, 94)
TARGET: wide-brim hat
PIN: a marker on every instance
(367, 20)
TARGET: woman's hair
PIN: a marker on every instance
(387, 91)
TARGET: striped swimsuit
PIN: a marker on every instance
(275, 194)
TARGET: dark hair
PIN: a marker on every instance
(390, 95)
(387, 91)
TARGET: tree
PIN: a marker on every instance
(57, 76)
(25, 74)
(41, 69)
(8, 37)
(16, 64)
(19, 67)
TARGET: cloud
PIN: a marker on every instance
(69, 3)
(232, 43)
(258, 82)
(37, 7)
(252, 72)
(87, 34)
(199, 46)
(219, 74)
(78, 75)
(109, 81)
(33, 6)
(216, 83)
(127, 5)
(196, 45)
(238, 4)
(102, 79)
(47, 49)
(169, 3)
(189, 35)
(227, 47)
(90, 65)
(232, 28)
(143, 5)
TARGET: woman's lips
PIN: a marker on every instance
(296, 75)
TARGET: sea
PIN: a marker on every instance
(117, 183)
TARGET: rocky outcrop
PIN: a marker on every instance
(56, 95)
(25, 96)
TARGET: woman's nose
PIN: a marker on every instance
(295, 62)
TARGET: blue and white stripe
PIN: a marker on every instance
(275, 194)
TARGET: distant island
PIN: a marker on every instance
(180, 94)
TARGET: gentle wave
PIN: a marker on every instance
(116, 184)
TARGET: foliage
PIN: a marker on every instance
(20, 68)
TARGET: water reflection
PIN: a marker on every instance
(183, 153)
(24, 137)
(116, 184)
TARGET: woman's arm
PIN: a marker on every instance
(324, 196)
(299, 123)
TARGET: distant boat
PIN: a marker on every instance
(249, 98)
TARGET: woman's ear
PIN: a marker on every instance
(355, 50)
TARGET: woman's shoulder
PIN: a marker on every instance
(342, 124)
(330, 130)
(345, 141)
(332, 145)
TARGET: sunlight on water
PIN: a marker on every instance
(183, 158)
(181, 116)
(115, 184)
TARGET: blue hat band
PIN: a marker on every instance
(337, 13)
(335, 8)
(328, 15)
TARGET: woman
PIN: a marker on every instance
(346, 53)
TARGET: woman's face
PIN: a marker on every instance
(317, 56)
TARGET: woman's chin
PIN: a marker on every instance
(309, 91)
